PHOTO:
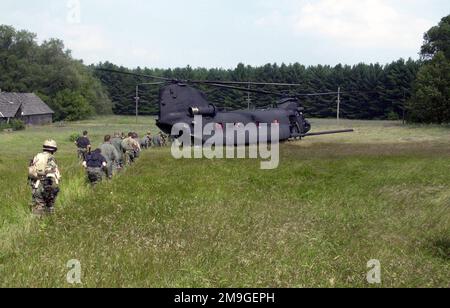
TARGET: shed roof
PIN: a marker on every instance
(30, 103)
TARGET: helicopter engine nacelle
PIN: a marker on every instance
(209, 111)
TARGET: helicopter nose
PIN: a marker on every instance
(165, 127)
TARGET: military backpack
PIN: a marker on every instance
(38, 167)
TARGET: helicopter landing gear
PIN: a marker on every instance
(296, 131)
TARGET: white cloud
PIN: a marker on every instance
(362, 23)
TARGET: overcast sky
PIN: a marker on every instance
(222, 33)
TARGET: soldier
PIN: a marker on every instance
(157, 142)
(143, 143)
(44, 178)
(95, 164)
(117, 143)
(137, 150)
(130, 147)
(163, 139)
(84, 146)
(160, 140)
(111, 155)
(148, 140)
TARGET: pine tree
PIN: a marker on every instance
(431, 100)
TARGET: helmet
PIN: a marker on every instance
(50, 145)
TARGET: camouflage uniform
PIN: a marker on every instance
(143, 143)
(95, 162)
(111, 155)
(157, 142)
(163, 140)
(131, 147)
(45, 186)
(137, 146)
(149, 139)
(95, 175)
(44, 196)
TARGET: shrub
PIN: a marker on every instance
(14, 124)
(17, 124)
(3, 126)
(71, 106)
(74, 137)
(393, 116)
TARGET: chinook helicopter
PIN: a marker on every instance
(180, 102)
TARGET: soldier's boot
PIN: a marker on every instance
(95, 177)
(39, 210)
(95, 182)
(50, 206)
(50, 194)
(49, 210)
(91, 179)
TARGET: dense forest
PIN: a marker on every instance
(49, 70)
(369, 91)
(416, 90)
(430, 102)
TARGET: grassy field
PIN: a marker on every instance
(334, 203)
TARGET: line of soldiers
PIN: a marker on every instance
(113, 155)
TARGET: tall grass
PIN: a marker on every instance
(334, 203)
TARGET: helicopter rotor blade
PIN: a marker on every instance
(135, 74)
(216, 82)
(320, 94)
(285, 95)
(223, 86)
(249, 83)
(153, 83)
(229, 84)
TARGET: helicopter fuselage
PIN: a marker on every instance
(180, 104)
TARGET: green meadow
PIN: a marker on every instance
(334, 203)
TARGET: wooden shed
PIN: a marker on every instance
(27, 107)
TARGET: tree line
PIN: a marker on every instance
(49, 70)
(369, 91)
(418, 90)
(430, 102)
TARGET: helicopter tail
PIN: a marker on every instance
(176, 101)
